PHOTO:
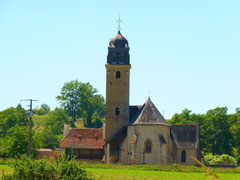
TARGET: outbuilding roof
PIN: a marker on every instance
(91, 138)
(185, 136)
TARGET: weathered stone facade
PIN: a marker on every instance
(117, 98)
(136, 150)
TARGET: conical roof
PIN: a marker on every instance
(149, 114)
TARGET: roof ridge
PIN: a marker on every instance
(149, 114)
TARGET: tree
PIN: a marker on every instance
(185, 117)
(80, 100)
(216, 131)
(39, 111)
(92, 104)
(182, 118)
(50, 140)
(70, 97)
(234, 120)
(16, 141)
(46, 108)
(11, 117)
(55, 120)
(97, 121)
(50, 127)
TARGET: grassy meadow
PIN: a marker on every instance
(151, 172)
(6, 169)
(147, 174)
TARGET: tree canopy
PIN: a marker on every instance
(81, 100)
(219, 131)
(11, 117)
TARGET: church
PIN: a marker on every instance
(132, 134)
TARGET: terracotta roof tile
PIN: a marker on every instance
(91, 138)
(45, 150)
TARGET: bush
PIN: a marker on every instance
(63, 168)
(219, 159)
(6, 161)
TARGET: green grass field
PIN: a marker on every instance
(7, 170)
(151, 172)
(124, 174)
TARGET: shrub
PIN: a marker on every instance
(219, 159)
(6, 161)
(63, 168)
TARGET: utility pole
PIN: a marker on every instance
(30, 114)
(71, 155)
(72, 126)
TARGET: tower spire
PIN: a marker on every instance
(119, 23)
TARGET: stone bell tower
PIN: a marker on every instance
(117, 85)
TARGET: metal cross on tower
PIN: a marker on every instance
(119, 23)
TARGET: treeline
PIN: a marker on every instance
(14, 131)
(78, 102)
(219, 131)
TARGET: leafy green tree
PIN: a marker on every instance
(55, 120)
(234, 120)
(50, 140)
(46, 108)
(182, 118)
(80, 100)
(90, 105)
(216, 131)
(50, 127)
(186, 117)
(11, 117)
(70, 97)
(97, 121)
(39, 111)
(17, 139)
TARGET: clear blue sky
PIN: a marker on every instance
(186, 53)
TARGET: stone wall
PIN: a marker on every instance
(189, 153)
(123, 154)
(117, 96)
(136, 151)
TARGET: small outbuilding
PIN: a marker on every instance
(46, 153)
(86, 143)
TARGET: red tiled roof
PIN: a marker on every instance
(45, 150)
(91, 138)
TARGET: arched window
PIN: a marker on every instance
(148, 146)
(114, 57)
(117, 112)
(183, 156)
(118, 74)
(122, 57)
